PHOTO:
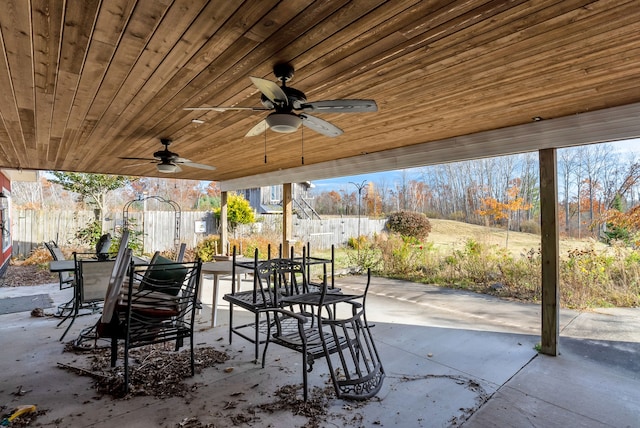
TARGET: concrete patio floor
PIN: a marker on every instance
(451, 358)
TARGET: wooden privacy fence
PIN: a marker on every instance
(321, 234)
(30, 228)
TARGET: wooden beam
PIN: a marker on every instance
(224, 231)
(287, 217)
(550, 252)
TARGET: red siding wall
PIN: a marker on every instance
(5, 184)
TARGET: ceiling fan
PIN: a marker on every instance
(285, 100)
(168, 162)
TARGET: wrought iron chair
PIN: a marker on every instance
(157, 304)
(254, 301)
(308, 322)
(354, 363)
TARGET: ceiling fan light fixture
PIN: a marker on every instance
(284, 122)
(167, 168)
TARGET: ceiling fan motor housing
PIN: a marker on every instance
(167, 167)
(284, 122)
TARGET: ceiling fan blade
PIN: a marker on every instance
(187, 162)
(258, 129)
(222, 108)
(137, 164)
(341, 106)
(320, 125)
(143, 159)
(270, 90)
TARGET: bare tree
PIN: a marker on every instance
(27, 194)
(568, 167)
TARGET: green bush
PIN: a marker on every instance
(366, 255)
(135, 242)
(409, 223)
(398, 255)
(356, 243)
(615, 233)
(239, 211)
(208, 247)
(90, 234)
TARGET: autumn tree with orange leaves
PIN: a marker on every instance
(629, 221)
(491, 207)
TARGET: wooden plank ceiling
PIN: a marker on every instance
(85, 82)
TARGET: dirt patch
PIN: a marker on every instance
(27, 275)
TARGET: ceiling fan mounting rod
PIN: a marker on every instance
(283, 71)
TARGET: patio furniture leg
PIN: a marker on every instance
(114, 351)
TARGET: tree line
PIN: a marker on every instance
(107, 193)
(592, 180)
(503, 190)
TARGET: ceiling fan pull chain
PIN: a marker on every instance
(265, 144)
(302, 141)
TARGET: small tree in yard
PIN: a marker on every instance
(238, 211)
(628, 221)
(502, 210)
(93, 188)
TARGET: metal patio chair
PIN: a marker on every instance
(66, 278)
(155, 305)
(313, 324)
(90, 285)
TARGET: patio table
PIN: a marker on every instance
(218, 269)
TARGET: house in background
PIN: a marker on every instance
(6, 177)
(268, 199)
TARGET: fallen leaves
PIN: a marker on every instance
(315, 408)
(154, 370)
(24, 420)
(17, 276)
